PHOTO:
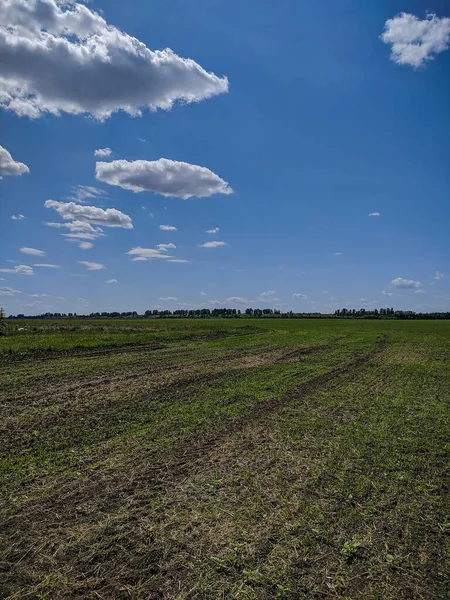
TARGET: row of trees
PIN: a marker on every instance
(233, 313)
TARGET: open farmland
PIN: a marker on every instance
(247, 459)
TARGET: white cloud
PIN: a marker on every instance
(414, 40)
(203, 294)
(147, 253)
(48, 266)
(439, 275)
(103, 152)
(419, 292)
(81, 192)
(374, 214)
(8, 166)
(86, 245)
(386, 293)
(168, 228)
(19, 270)
(165, 177)
(301, 296)
(168, 298)
(8, 291)
(178, 260)
(94, 215)
(399, 282)
(237, 300)
(17, 217)
(337, 253)
(32, 251)
(213, 230)
(64, 57)
(91, 266)
(112, 281)
(83, 301)
(212, 244)
(39, 296)
(269, 293)
(165, 247)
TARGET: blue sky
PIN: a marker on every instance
(316, 126)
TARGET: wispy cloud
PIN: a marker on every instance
(47, 266)
(236, 300)
(19, 270)
(439, 275)
(300, 296)
(112, 281)
(94, 215)
(168, 228)
(80, 193)
(268, 293)
(32, 251)
(337, 253)
(8, 291)
(91, 266)
(374, 214)
(386, 293)
(213, 230)
(168, 298)
(213, 244)
(18, 217)
(140, 253)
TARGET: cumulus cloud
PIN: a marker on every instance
(386, 293)
(47, 266)
(8, 291)
(168, 228)
(415, 41)
(236, 300)
(212, 244)
(165, 177)
(94, 215)
(374, 214)
(399, 282)
(439, 275)
(32, 251)
(85, 245)
(19, 270)
(64, 57)
(102, 152)
(112, 281)
(92, 266)
(268, 293)
(165, 247)
(9, 166)
(301, 296)
(17, 217)
(213, 230)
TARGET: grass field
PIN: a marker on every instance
(247, 459)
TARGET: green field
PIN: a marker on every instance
(215, 459)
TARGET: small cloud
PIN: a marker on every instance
(19, 270)
(80, 193)
(399, 282)
(213, 230)
(17, 217)
(165, 247)
(168, 298)
(178, 260)
(337, 253)
(86, 245)
(47, 266)
(269, 293)
(91, 266)
(415, 41)
(168, 228)
(300, 296)
(374, 214)
(439, 275)
(202, 294)
(419, 292)
(112, 281)
(150, 214)
(236, 300)
(39, 296)
(212, 244)
(388, 294)
(83, 301)
(32, 251)
(103, 152)
(140, 253)
(8, 291)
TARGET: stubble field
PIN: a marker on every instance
(248, 459)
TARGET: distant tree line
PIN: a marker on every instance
(233, 313)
